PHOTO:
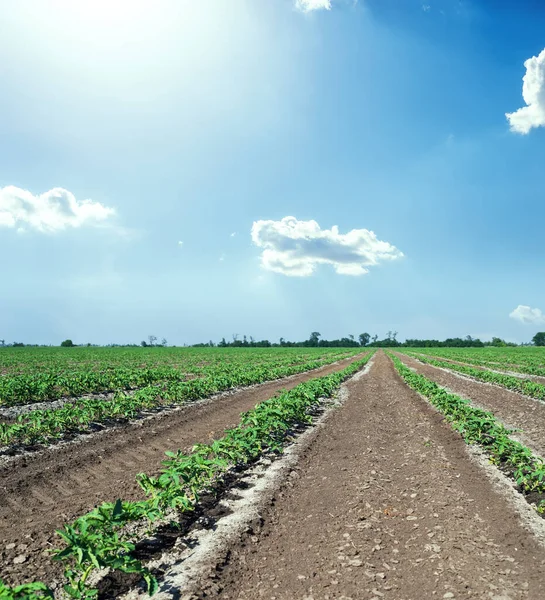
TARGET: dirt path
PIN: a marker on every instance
(42, 491)
(386, 503)
(514, 410)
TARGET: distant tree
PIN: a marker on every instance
(151, 340)
(144, 344)
(364, 339)
(164, 342)
(282, 341)
(314, 338)
(539, 339)
(223, 343)
(496, 341)
(375, 338)
(2, 342)
(67, 344)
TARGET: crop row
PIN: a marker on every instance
(46, 425)
(516, 384)
(481, 428)
(529, 361)
(102, 539)
(14, 361)
(54, 384)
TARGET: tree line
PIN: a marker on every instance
(316, 340)
(365, 340)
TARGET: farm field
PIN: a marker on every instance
(528, 360)
(400, 475)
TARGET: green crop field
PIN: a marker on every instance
(50, 396)
(92, 388)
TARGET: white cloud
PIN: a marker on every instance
(53, 211)
(533, 92)
(180, 243)
(222, 257)
(426, 7)
(295, 248)
(309, 5)
(233, 234)
(527, 315)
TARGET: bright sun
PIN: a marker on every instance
(108, 13)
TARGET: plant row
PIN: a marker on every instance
(481, 428)
(102, 539)
(529, 361)
(51, 384)
(15, 361)
(84, 415)
(516, 384)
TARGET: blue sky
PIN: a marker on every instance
(130, 127)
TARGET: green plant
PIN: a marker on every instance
(27, 591)
(100, 539)
(95, 540)
(480, 427)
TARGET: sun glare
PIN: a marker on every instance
(105, 13)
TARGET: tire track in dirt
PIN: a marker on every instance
(512, 409)
(41, 492)
(386, 504)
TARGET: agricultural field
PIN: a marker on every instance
(276, 473)
(526, 360)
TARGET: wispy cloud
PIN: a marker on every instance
(180, 243)
(50, 212)
(527, 315)
(310, 5)
(233, 234)
(296, 248)
(533, 92)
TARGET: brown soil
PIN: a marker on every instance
(385, 504)
(513, 409)
(40, 492)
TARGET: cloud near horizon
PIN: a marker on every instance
(527, 315)
(533, 92)
(310, 5)
(295, 248)
(50, 212)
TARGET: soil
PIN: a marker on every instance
(522, 413)
(41, 491)
(386, 503)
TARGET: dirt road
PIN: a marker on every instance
(41, 492)
(386, 504)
